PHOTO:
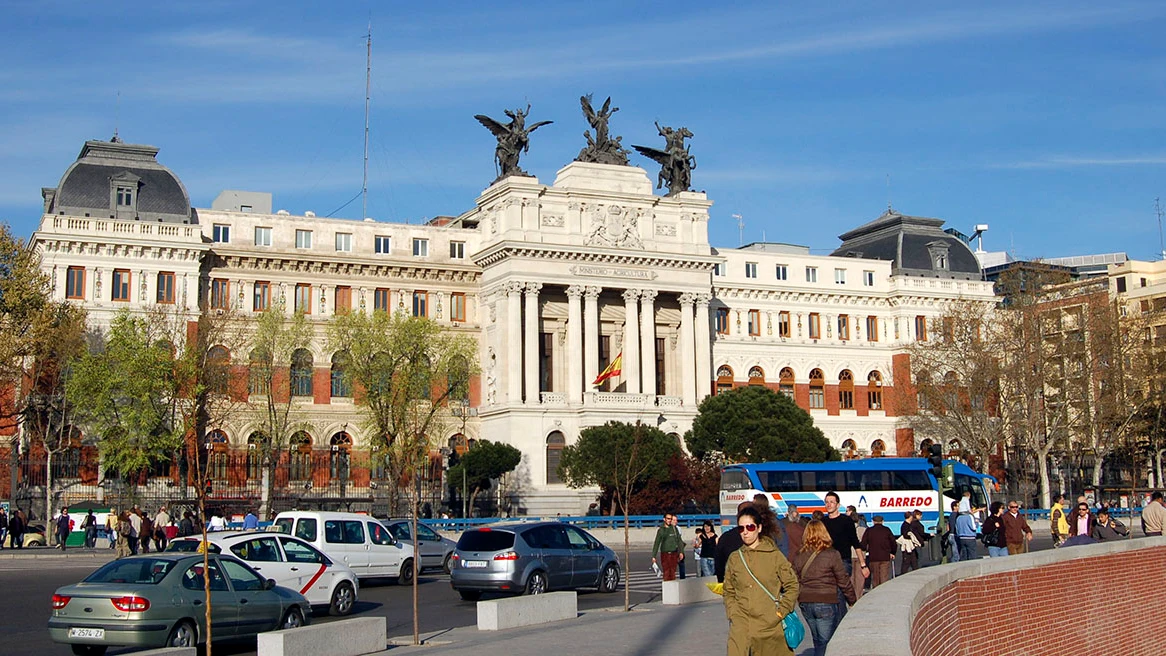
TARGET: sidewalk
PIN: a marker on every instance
(49, 553)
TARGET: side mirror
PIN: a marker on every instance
(269, 584)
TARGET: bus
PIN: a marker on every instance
(875, 486)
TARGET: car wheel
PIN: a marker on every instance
(536, 584)
(445, 563)
(183, 635)
(294, 619)
(343, 599)
(89, 650)
(609, 579)
(406, 575)
(470, 595)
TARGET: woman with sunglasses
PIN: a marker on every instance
(821, 575)
(761, 588)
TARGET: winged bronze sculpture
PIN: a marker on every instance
(676, 163)
(513, 140)
(602, 149)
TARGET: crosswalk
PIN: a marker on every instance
(643, 581)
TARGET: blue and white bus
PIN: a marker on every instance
(875, 486)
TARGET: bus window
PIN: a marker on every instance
(733, 480)
(779, 481)
(910, 480)
(825, 481)
(970, 483)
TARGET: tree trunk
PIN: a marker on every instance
(1098, 461)
(1042, 463)
(265, 491)
(50, 530)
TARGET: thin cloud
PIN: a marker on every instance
(1083, 162)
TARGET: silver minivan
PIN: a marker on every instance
(531, 559)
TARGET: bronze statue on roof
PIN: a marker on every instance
(676, 163)
(602, 149)
(513, 140)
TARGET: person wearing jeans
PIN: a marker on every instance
(822, 578)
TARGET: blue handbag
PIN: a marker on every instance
(791, 624)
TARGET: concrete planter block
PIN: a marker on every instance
(512, 612)
(362, 635)
(691, 590)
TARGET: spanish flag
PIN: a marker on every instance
(613, 369)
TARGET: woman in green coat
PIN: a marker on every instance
(754, 617)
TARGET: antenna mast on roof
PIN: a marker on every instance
(116, 118)
(740, 230)
(367, 95)
(889, 209)
(1158, 211)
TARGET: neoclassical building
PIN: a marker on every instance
(553, 280)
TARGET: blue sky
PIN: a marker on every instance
(1045, 120)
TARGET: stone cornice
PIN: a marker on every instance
(133, 249)
(677, 261)
(283, 263)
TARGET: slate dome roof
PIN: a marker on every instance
(916, 245)
(86, 187)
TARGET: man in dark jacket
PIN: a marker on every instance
(1106, 528)
(1016, 529)
(729, 542)
(879, 543)
(844, 533)
(668, 547)
(64, 527)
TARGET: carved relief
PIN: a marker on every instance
(665, 230)
(613, 225)
(552, 220)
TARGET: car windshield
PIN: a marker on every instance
(132, 570)
(485, 540)
(189, 546)
(283, 525)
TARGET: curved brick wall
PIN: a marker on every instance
(1006, 606)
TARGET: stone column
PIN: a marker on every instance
(574, 344)
(513, 367)
(590, 336)
(530, 342)
(687, 351)
(704, 345)
(648, 340)
(631, 342)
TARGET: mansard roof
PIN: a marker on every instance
(916, 245)
(85, 189)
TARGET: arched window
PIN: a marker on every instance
(925, 448)
(724, 378)
(217, 447)
(338, 459)
(786, 382)
(341, 380)
(817, 389)
(256, 443)
(874, 391)
(756, 376)
(301, 373)
(848, 449)
(301, 457)
(259, 372)
(845, 390)
(218, 369)
(877, 448)
(459, 444)
(555, 444)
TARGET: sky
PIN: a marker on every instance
(1044, 120)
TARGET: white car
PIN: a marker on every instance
(292, 562)
(359, 541)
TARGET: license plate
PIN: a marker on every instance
(475, 563)
(97, 634)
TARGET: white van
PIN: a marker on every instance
(359, 541)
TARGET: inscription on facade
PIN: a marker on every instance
(612, 272)
(552, 220)
(665, 230)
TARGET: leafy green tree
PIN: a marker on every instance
(484, 462)
(619, 457)
(756, 424)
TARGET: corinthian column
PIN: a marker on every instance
(687, 348)
(513, 368)
(648, 340)
(574, 344)
(590, 335)
(530, 339)
(703, 344)
(631, 342)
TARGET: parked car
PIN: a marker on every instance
(157, 600)
(292, 562)
(436, 549)
(359, 541)
(531, 559)
(34, 536)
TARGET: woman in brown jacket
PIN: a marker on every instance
(760, 590)
(821, 575)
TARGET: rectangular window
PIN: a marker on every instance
(719, 269)
(421, 304)
(165, 287)
(221, 233)
(121, 285)
(783, 324)
(839, 276)
(817, 397)
(303, 300)
(811, 274)
(343, 302)
(125, 197)
(420, 248)
(604, 360)
(457, 306)
(457, 250)
(750, 269)
(262, 236)
(846, 399)
(722, 321)
(782, 272)
(815, 326)
(872, 329)
(75, 282)
(754, 322)
(303, 238)
(246, 209)
(344, 242)
(261, 296)
(868, 278)
(546, 362)
(382, 244)
(661, 380)
(381, 300)
(844, 326)
(921, 328)
(220, 294)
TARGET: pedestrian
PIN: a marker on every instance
(186, 524)
(161, 523)
(669, 547)
(146, 531)
(1081, 521)
(772, 526)
(860, 579)
(250, 522)
(879, 543)
(1017, 533)
(920, 533)
(950, 541)
(1058, 525)
(909, 544)
(1107, 528)
(16, 525)
(965, 532)
(844, 539)
(1154, 515)
(758, 579)
(729, 542)
(124, 528)
(706, 543)
(993, 532)
(822, 578)
(217, 522)
(795, 526)
(3, 526)
(111, 522)
(135, 519)
(64, 527)
(89, 524)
